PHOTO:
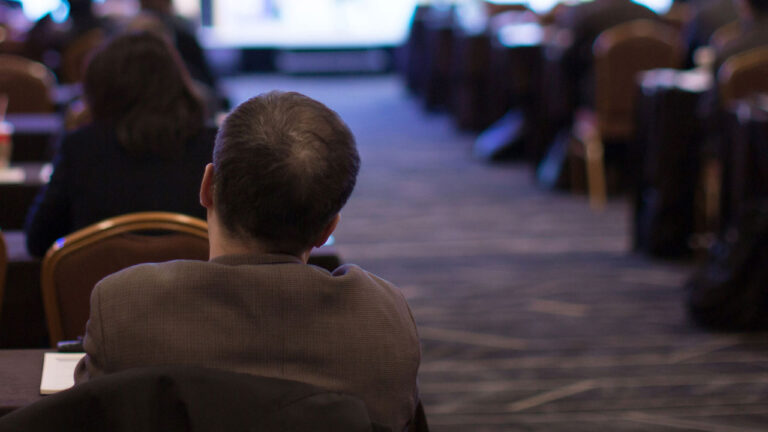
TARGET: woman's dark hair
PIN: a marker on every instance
(138, 85)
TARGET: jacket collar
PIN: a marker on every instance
(257, 259)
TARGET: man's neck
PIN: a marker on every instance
(226, 244)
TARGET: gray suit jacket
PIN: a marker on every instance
(267, 315)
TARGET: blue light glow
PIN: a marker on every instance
(36, 9)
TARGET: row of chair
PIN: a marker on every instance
(594, 148)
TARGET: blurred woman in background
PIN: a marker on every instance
(145, 149)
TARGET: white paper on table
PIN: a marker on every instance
(58, 371)
(12, 175)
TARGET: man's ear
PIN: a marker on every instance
(328, 230)
(206, 187)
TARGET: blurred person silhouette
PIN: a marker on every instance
(47, 39)
(144, 149)
(707, 17)
(150, 22)
(183, 37)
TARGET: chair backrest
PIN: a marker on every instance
(620, 53)
(742, 75)
(74, 56)
(27, 83)
(185, 398)
(74, 264)
(500, 8)
(724, 34)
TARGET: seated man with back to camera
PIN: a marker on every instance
(283, 167)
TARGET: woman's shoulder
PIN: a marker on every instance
(87, 138)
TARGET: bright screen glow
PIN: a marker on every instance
(543, 6)
(36, 9)
(659, 6)
(315, 23)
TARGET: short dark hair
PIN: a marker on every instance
(138, 85)
(284, 166)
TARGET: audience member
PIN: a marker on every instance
(708, 16)
(283, 167)
(48, 37)
(144, 150)
(183, 36)
(150, 22)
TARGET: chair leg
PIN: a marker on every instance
(594, 160)
(595, 173)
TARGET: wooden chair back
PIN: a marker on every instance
(27, 83)
(8, 44)
(74, 264)
(743, 75)
(499, 8)
(620, 53)
(75, 56)
(724, 34)
(678, 15)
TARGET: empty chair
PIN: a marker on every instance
(27, 83)
(620, 53)
(76, 262)
(725, 34)
(742, 75)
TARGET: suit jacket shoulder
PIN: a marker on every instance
(267, 315)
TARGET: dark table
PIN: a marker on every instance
(437, 58)
(513, 80)
(20, 373)
(22, 318)
(469, 78)
(515, 63)
(16, 195)
(35, 136)
(745, 158)
(669, 155)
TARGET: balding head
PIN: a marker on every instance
(284, 167)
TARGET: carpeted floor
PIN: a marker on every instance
(533, 314)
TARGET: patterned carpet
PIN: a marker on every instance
(533, 314)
